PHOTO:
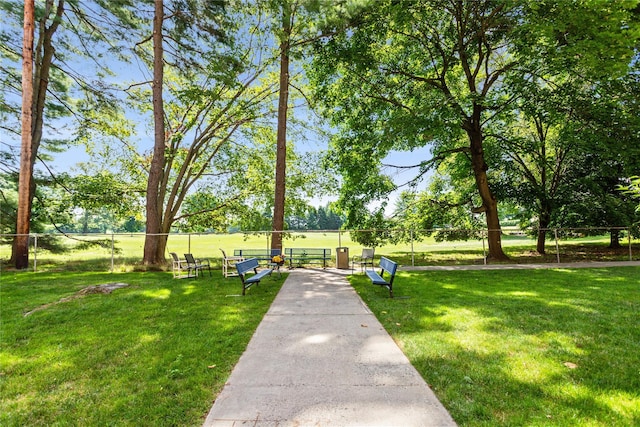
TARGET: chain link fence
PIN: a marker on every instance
(124, 251)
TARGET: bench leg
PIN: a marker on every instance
(246, 286)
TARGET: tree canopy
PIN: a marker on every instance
(450, 75)
(533, 104)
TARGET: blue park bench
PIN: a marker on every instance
(260, 254)
(386, 265)
(300, 256)
(246, 267)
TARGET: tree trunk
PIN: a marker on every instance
(489, 202)
(494, 233)
(541, 241)
(614, 241)
(41, 58)
(152, 256)
(25, 182)
(543, 225)
(85, 222)
(162, 247)
(281, 140)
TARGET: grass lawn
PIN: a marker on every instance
(521, 347)
(155, 353)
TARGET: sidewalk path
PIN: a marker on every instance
(320, 358)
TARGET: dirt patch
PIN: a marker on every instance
(106, 288)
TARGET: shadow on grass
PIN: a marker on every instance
(534, 347)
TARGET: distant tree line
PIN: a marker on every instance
(321, 218)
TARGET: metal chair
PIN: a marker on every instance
(197, 264)
(180, 267)
(363, 260)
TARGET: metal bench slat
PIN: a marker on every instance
(376, 278)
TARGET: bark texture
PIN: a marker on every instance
(153, 250)
(281, 139)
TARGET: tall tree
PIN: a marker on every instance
(566, 142)
(62, 36)
(538, 140)
(21, 243)
(287, 16)
(410, 74)
(567, 107)
(210, 97)
(301, 22)
(154, 204)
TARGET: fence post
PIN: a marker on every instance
(35, 253)
(113, 245)
(555, 232)
(413, 264)
(629, 236)
(484, 249)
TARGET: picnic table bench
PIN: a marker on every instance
(300, 256)
(386, 265)
(260, 254)
(246, 267)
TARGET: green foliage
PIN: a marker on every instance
(133, 224)
(400, 79)
(632, 188)
(8, 204)
(104, 190)
(76, 94)
(566, 151)
(376, 230)
(50, 206)
(209, 212)
(594, 38)
(388, 85)
(440, 210)
(595, 201)
(54, 209)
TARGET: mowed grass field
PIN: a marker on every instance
(123, 252)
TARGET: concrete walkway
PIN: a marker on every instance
(320, 358)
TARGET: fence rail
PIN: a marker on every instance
(115, 251)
